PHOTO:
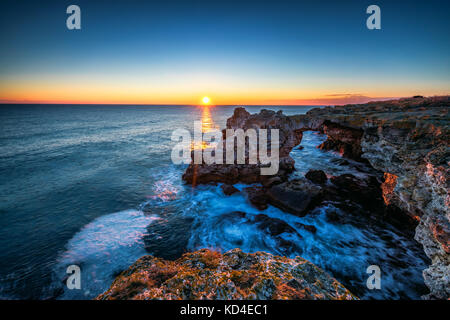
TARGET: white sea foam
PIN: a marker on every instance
(104, 247)
(343, 249)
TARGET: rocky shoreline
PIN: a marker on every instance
(408, 141)
(405, 141)
(207, 274)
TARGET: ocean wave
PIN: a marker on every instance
(102, 249)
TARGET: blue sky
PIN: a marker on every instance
(234, 51)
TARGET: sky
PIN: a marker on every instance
(235, 52)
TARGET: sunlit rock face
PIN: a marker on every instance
(406, 140)
(345, 140)
(250, 173)
(206, 274)
(409, 140)
(388, 186)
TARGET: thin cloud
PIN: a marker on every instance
(332, 99)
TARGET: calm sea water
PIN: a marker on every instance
(95, 186)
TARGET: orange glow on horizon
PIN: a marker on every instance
(85, 92)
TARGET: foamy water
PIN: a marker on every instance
(102, 249)
(95, 187)
(345, 250)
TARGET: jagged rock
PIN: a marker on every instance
(228, 189)
(387, 187)
(289, 137)
(409, 139)
(347, 141)
(206, 274)
(271, 181)
(296, 196)
(405, 138)
(316, 176)
(257, 197)
(275, 226)
(366, 192)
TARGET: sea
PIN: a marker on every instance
(94, 186)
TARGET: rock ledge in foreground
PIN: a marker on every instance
(207, 274)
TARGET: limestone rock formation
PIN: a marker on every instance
(406, 140)
(250, 173)
(409, 141)
(206, 274)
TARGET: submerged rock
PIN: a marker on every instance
(228, 189)
(366, 192)
(316, 176)
(206, 274)
(257, 197)
(296, 196)
(274, 226)
(274, 232)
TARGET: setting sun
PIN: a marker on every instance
(205, 100)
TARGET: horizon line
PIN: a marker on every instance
(159, 104)
(315, 102)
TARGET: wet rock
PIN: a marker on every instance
(407, 138)
(306, 227)
(345, 140)
(257, 197)
(274, 226)
(228, 189)
(289, 137)
(316, 176)
(276, 230)
(295, 196)
(333, 216)
(206, 274)
(271, 181)
(387, 188)
(366, 192)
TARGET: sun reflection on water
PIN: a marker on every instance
(208, 125)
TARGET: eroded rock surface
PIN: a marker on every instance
(228, 189)
(289, 137)
(409, 141)
(206, 274)
(296, 196)
(316, 176)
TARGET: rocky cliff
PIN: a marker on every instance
(250, 173)
(206, 274)
(408, 140)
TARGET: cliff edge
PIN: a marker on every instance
(409, 141)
